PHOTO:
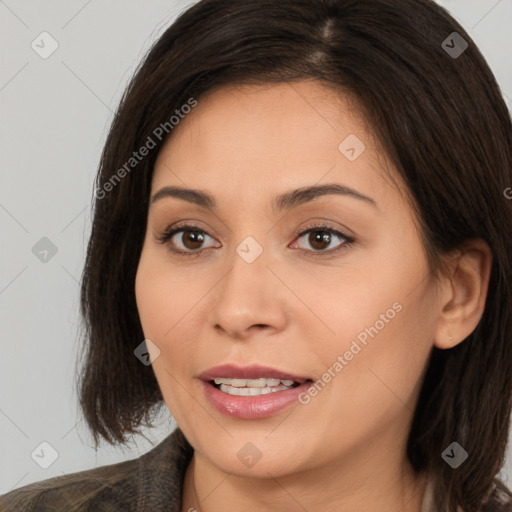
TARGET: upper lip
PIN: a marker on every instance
(249, 372)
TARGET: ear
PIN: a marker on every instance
(464, 293)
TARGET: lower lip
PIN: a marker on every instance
(253, 407)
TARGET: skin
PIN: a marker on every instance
(296, 310)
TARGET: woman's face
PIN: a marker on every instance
(358, 319)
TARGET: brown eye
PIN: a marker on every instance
(192, 239)
(320, 239)
(186, 240)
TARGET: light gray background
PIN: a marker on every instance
(55, 113)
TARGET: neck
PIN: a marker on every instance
(346, 487)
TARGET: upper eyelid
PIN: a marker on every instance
(191, 227)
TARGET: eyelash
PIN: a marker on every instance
(167, 235)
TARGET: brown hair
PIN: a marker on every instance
(442, 121)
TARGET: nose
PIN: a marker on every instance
(248, 299)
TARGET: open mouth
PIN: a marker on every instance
(253, 387)
(256, 397)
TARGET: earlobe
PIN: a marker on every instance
(463, 302)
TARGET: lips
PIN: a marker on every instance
(231, 371)
(234, 402)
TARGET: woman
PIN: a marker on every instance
(301, 247)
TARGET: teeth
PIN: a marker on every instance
(257, 383)
(252, 383)
(231, 390)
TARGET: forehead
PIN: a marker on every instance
(273, 136)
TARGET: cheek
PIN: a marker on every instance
(383, 320)
(160, 297)
(148, 294)
(382, 363)
(167, 303)
(161, 306)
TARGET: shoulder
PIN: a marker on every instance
(88, 490)
(151, 482)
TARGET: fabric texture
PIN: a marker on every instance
(152, 482)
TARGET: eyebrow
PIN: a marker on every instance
(285, 201)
